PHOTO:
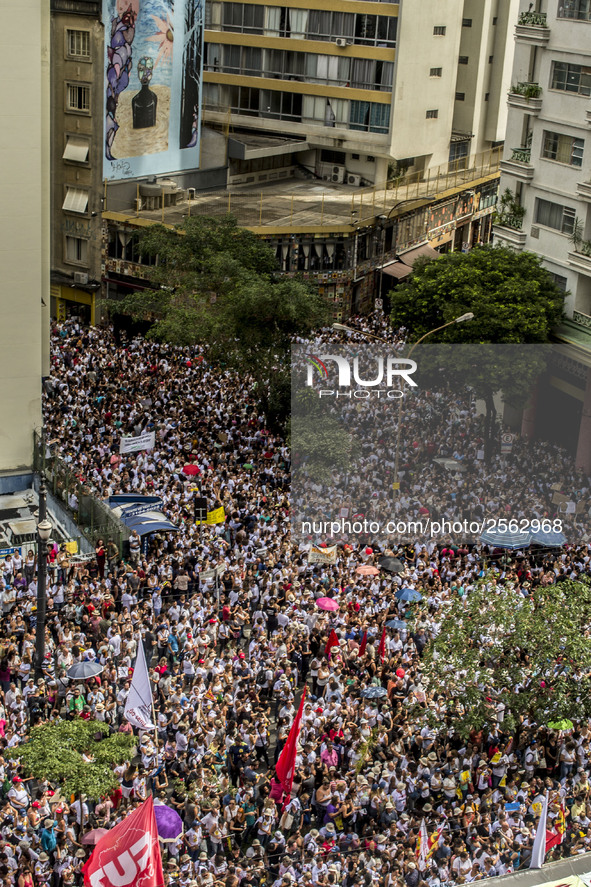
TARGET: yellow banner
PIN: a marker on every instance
(217, 516)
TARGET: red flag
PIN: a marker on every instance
(382, 647)
(363, 644)
(557, 836)
(129, 854)
(333, 641)
(285, 767)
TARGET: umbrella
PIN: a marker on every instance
(82, 671)
(95, 835)
(168, 822)
(563, 724)
(408, 594)
(549, 539)
(396, 623)
(327, 603)
(191, 470)
(391, 564)
(374, 692)
(367, 570)
(506, 540)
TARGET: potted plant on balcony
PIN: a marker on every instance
(509, 212)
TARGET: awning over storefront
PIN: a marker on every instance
(418, 252)
(397, 269)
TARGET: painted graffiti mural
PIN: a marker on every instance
(153, 67)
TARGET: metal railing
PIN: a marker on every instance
(312, 205)
(521, 155)
(93, 517)
(537, 19)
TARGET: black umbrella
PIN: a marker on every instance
(82, 671)
(391, 565)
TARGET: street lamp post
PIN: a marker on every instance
(44, 529)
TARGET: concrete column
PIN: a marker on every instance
(528, 420)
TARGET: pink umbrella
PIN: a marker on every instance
(327, 603)
(366, 570)
(94, 836)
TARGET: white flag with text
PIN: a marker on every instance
(138, 707)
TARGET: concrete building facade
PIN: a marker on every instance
(546, 187)
(24, 230)
(358, 91)
(77, 49)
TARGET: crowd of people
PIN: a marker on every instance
(230, 659)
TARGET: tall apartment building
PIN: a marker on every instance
(24, 233)
(77, 74)
(546, 194)
(354, 89)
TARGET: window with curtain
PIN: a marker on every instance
(359, 115)
(251, 61)
(571, 78)
(232, 59)
(232, 16)
(319, 25)
(272, 21)
(253, 18)
(577, 9)
(299, 23)
(379, 120)
(563, 148)
(294, 64)
(555, 215)
(211, 52)
(362, 73)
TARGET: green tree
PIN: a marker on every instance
(512, 296)
(54, 751)
(217, 284)
(497, 646)
(321, 444)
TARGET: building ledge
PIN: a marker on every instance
(524, 172)
(588, 115)
(533, 35)
(580, 262)
(524, 103)
(584, 190)
(513, 237)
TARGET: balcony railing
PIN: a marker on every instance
(537, 19)
(527, 89)
(522, 155)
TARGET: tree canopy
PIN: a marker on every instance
(54, 751)
(217, 284)
(513, 297)
(532, 655)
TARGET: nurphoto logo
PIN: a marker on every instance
(392, 370)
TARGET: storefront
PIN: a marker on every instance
(69, 301)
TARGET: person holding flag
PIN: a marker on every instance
(285, 767)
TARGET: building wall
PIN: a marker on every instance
(560, 180)
(23, 193)
(76, 62)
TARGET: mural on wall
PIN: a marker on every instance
(153, 65)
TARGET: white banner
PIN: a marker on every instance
(134, 444)
(320, 555)
(138, 707)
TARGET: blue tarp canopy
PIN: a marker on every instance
(139, 513)
(549, 539)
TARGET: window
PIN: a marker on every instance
(571, 78)
(432, 115)
(369, 116)
(76, 149)
(487, 96)
(460, 96)
(76, 249)
(563, 148)
(490, 59)
(79, 44)
(354, 156)
(466, 23)
(439, 30)
(463, 60)
(76, 200)
(578, 9)
(78, 97)
(495, 19)
(554, 215)
(560, 281)
(370, 158)
(435, 72)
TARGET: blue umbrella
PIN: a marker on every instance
(408, 594)
(506, 540)
(396, 623)
(374, 692)
(549, 539)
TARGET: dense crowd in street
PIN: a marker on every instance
(229, 665)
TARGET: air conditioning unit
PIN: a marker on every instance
(326, 177)
(81, 278)
(353, 180)
(338, 175)
(341, 41)
(535, 231)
